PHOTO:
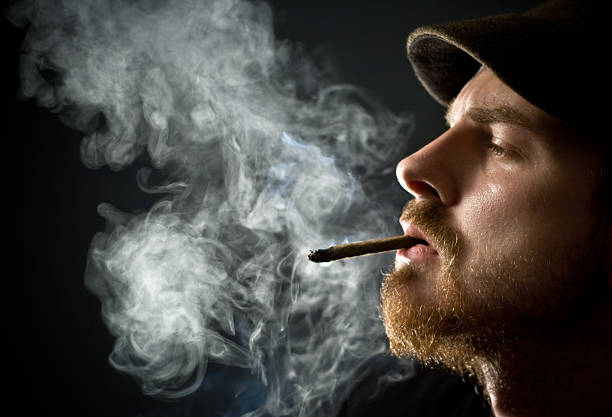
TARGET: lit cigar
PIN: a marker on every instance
(368, 247)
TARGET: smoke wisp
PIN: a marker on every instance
(257, 158)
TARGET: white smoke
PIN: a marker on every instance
(260, 160)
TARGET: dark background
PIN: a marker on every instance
(69, 372)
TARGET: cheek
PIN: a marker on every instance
(523, 218)
(491, 215)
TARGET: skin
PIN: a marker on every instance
(516, 187)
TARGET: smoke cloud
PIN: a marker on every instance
(257, 157)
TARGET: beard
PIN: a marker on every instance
(476, 314)
(433, 330)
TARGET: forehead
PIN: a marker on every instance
(486, 91)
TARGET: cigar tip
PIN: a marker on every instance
(318, 255)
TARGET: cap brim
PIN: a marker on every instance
(445, 57)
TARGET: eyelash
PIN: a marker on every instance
(496, 149)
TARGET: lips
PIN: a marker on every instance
(412, 230)
(421, 252)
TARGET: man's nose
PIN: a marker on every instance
(428, 174)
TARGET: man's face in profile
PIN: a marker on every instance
(516, 246)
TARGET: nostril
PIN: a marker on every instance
(422, 189)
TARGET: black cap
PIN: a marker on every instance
(555, 56)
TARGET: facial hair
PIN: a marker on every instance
(460, 327)
(434, 332)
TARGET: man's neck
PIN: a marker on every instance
(567, 378)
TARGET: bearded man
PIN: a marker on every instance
(514, 285)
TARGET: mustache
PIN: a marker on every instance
(431, 218)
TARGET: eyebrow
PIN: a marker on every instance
(500, 114)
